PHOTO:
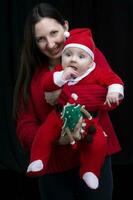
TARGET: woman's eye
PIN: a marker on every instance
(53, 33)
(40, 40)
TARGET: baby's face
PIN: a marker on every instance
(76, 58)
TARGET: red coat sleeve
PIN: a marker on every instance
(106, 77)
(27, 125)
(47, 82)
(106, 74)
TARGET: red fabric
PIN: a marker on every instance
(92, 96)
(45, 141)
(92, 155)
(81, 36)
(96, 84)
(29, 122)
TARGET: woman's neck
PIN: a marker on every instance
(53, 63)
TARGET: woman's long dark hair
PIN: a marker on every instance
(31, 57)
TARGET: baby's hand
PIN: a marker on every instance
(112, 97)
(69, 73)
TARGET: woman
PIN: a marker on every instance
(43, 42)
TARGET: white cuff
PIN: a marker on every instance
(58, 78)
(117, 88)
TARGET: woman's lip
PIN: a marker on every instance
(56, 51)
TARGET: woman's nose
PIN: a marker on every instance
(50, 43)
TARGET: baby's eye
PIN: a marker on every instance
(67, 54)
(81, 56)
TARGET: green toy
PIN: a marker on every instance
(71, 115)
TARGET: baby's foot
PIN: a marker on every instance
(91, 180)
(35, 166)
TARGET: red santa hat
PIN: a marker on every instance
(81, 38)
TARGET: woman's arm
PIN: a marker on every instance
(27, 125)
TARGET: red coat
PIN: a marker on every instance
(30, 121)
(91, 90)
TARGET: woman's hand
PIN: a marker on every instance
(51, 97)
(64, 139)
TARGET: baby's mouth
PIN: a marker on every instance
(73, 67)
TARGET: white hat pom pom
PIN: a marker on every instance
(66, 34)
(74, 96)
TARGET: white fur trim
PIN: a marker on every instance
(91, 180)
(83, 47)
(35, 166)
(117, 88)
(74, 96)
(66, 34)
(58, 78)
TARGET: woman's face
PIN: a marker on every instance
(49, 35)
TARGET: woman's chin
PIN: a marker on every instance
(56, 55)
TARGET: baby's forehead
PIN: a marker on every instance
(75, 49)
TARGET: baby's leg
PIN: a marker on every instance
(92, 157)
(41, 149)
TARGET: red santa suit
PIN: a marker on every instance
(91, 89)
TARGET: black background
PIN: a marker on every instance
(111, 24)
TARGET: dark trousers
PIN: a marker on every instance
(68, 185)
